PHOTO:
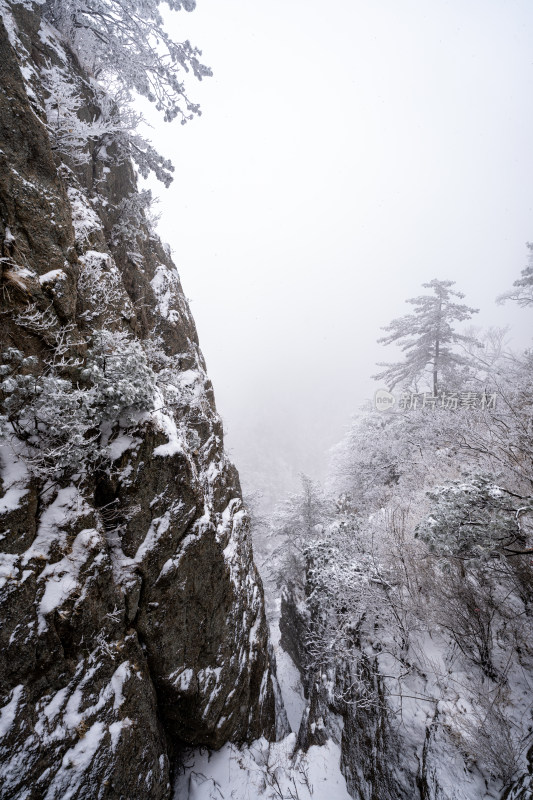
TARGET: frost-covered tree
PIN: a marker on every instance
(125, 50)
(133, 211)
(295, 523)
(100, 289)
(425, 571)
(366, 465)
(69, 133)
(118, 372)
(475, 519)
(109, 125)
(343, 580)
(126, 47)
(427, 337)
(53, 416)
(523, 291)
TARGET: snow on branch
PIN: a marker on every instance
(123, 42)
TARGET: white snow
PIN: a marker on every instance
(62, 578)
(8, 712)
(76, 761)
(57, 517)
(119, 446)
(8, 568)
(15, 478)
(158, 527)
(264, 770)
(166, 288)
(56, 704)
(48, 37)
(289, 680)
(85, 220)
(182, 679)
(52, 276)
(67, 710)
(115, 730)
(118, 679)
(166, 423)
(9, 23)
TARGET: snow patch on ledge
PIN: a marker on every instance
(120, 445)
(85, 220)
(166, 423)
(158, 527)
(9, 711)
(62, 578)
(9, 24)
(56, 519)
(165, 285)
(52, 276)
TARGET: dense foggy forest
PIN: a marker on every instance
(364, 635)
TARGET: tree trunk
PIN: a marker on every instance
(437, 349)
(436, 368)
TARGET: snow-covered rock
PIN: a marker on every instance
(132, 617)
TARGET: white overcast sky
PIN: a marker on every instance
(348, 151)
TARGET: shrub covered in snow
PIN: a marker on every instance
(57, 417)
(474, 519)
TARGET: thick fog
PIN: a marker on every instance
(347, 153)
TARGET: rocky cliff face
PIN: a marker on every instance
(132, 613)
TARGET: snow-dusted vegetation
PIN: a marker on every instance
(408, 584)
(137, 659)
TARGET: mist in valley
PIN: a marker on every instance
(347, 153)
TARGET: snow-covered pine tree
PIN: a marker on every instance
(523, 291)
(427, 336)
